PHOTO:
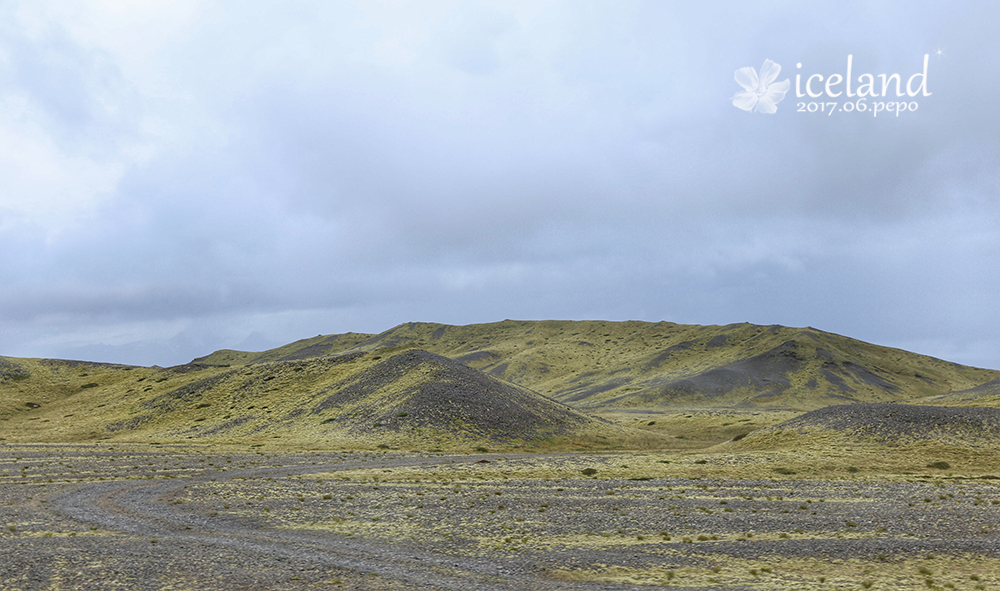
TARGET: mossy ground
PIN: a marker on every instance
(652, 523)
(689, 518)
(960, 571)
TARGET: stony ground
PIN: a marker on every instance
(904, 422)
(172, 517)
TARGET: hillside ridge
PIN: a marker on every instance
(384, 398)
(510, 383)
(633, 364)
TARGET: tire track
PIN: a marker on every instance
(142, 508)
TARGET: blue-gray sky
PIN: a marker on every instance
(182, 176)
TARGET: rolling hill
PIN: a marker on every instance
(987, 394)
(909, 440)
(600, 365)
(896, 423)
(509, 384)
(403, 398)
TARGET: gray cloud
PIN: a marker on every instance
(280, 171)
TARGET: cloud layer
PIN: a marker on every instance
(179, 177)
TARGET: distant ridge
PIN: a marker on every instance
(600, 364)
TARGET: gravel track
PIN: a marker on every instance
(190, 518)
(141, 510)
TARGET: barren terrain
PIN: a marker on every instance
(187, 517)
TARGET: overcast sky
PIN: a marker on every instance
(182, 176)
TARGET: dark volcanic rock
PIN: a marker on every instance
(887, 422)
(448, 396)
(11, 371)
(990, 388)
(764, 374)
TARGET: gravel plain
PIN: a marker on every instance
(184, 517)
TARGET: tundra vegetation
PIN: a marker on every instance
(513, 455)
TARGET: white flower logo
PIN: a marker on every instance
(760, 94)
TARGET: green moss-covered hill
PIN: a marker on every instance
(409, 398)
(508, 384)
(601, 365)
